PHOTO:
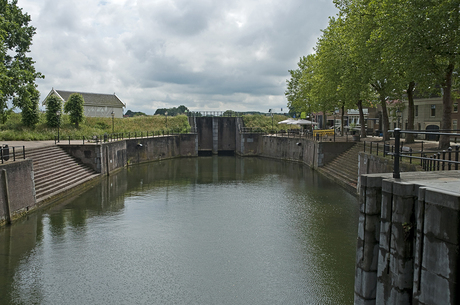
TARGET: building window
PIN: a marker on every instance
(416, 110)
(455, 107)
(433, 110)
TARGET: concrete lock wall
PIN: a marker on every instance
(107, 157)
(408, 239)
(204, 127)
(314, 154)
(249, 144)
(17, 190)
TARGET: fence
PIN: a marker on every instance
(120, 136)
(448, 161)
(14, 152)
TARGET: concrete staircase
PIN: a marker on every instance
(344, 168)
(55, 171)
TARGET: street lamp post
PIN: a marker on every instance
(270, 111)
(166, 114)
(58, 113)
(113, 128)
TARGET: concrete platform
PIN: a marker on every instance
(443, 181)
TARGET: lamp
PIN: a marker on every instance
(113, 128)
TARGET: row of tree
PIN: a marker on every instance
(73, 106)
(375, 51)
(172, 111)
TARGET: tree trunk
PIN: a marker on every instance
(324, 120)
(361, 119)
(446, 123)
(343, 116)
(386, 121)
(410, 111)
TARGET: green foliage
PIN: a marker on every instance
(74, 107)
(130, 113)
(17, 72)
(172, 111)
(30, 113)
(53, 105)
(266, 123)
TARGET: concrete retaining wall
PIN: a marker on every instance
(372, 164)
(249, 144)
(314, 154)
(408, 239)
(19, 196)
(111, 156)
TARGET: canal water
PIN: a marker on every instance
(208, 230)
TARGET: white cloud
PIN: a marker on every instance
(204, 54)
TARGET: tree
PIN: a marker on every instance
(17, 71)
(74, 107)
(426, 35)
(30, 112)
(53, 105)
(172, 111)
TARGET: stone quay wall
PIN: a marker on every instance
(408, 239)
(111, 156)
(312, 153)
(17, 190)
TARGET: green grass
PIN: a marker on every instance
(13, 130)
(265, 123)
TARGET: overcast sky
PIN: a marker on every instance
(207, 55)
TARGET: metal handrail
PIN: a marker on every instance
(5, 152)
(398, 154)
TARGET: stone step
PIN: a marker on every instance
(63, 187)
(56, 171)
(50, 176)
(344, 168)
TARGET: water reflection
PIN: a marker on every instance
(191, 231)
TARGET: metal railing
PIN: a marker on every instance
(111, 137)
(12, 153)
(441, 160)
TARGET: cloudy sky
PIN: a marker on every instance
(208, 55)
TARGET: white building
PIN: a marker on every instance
(96, 104)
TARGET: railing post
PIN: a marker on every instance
(449, 165)
(396, 173)
(456, 156)
(438, 163)
(24, 152)
(443, 159)
(14, 155)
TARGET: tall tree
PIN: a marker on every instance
(422, 42)
(53, 111)
(17, 71)
(74, 107)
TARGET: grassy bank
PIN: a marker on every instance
(266, 123)
(13, 130)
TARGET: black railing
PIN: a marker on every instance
(111, 137)
(11, 153)
(442, 160)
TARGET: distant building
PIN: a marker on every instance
(96, 104)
